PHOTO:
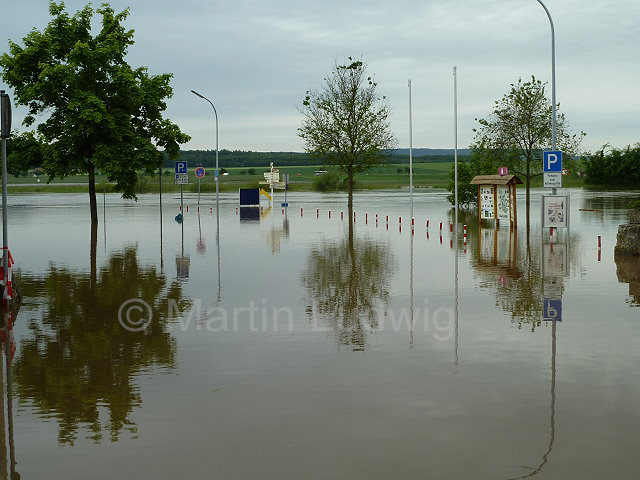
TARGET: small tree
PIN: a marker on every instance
(99, 113)
(521, 122)
(346, 123)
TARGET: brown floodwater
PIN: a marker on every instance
(287, 345)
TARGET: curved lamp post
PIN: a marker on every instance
(215, 112)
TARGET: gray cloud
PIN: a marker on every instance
(255, 59)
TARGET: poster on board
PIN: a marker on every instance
(503, 203)
(555, 211)
(486, 202)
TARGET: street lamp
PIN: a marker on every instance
(217, 191)
(216, 115)
(553, 81)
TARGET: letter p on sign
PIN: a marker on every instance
(552, 161)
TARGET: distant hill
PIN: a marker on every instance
(240, 158)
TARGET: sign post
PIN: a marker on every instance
(182, 178)
(200, 172)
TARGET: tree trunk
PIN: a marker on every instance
(528, 193)
(93, 205)
(350, 190)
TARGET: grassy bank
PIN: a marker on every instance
(300, 177)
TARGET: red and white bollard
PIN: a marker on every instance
(187, 208)
(376, 218)
(283, 211)
(413, 222)
(341, 215)
(300, 211)
(317, 213)
(451, 227)
(387, 219)
(440, 227)
(366, 217)
(400, 220)
(329, 213)
(236, 210)
(599, 242)
(427, 223)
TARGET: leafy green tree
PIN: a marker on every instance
(521, 122)
(24, 153)
(99, 112)
(346, 123)
(483, 161)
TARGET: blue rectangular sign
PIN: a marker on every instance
(552, 310)
(552, 161)
(181, 167)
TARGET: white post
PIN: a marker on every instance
(410, 151)
(455, 143)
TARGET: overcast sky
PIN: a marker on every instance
(256, 58)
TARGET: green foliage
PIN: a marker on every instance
(346, 123)
(615, 167)
(328, 182)
(519, 127)
(482, 161)
(24, 153)
(99, 112)
(251, 171)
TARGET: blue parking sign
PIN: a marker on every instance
(552, 310)
(181, 166)
(552, 161)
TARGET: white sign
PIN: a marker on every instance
(503, 203)
(486, 202)
(552, 180)
(555, 211)
(182, 179)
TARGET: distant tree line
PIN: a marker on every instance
(241, 158)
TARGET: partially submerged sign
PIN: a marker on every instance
(555, 211)
(497, 197)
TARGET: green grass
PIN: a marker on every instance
(300, 178)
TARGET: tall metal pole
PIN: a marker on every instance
(410, 151)
(5, 132)
(554, 120)
(455, 143)
(217, 172)
(455, 194)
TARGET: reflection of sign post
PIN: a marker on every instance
(555, 260)
(552, 310)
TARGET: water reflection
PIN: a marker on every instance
(78, 364)
(8, 463)
(347, 283)
(628, 271)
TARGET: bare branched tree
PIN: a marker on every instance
(346, 122)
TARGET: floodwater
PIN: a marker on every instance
(291, 348)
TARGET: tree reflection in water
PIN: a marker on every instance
(347, 284)
(78, 363)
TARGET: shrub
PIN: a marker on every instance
(327, 182)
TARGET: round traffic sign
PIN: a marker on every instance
(200, 172)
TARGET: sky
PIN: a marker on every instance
(255, 59)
